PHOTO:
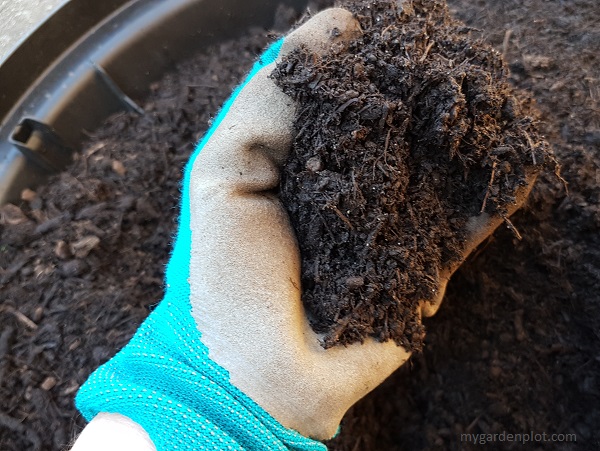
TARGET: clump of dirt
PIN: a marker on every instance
(401, 138)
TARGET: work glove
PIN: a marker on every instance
(228, 359)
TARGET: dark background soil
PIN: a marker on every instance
(515, 346)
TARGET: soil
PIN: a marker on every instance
(401, 138)
(514, 348)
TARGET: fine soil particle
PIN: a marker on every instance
(401, 138)
(514, 348)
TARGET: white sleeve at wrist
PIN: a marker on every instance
(113, 432)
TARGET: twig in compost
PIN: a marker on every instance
(507, 35)
(512, 228)
(489, 187)
(427, 49)
(20, 317)
(342, 216)
(531, 146)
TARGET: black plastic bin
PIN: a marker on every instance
(88, 61)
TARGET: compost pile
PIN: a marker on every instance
(514, 348)
(401, 138)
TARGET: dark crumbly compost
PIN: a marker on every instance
(513, 349)
(401, 138)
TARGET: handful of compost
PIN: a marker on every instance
(410, 149)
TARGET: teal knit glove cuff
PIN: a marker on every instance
(165, 381)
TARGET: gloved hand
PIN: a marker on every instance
(228, 358)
